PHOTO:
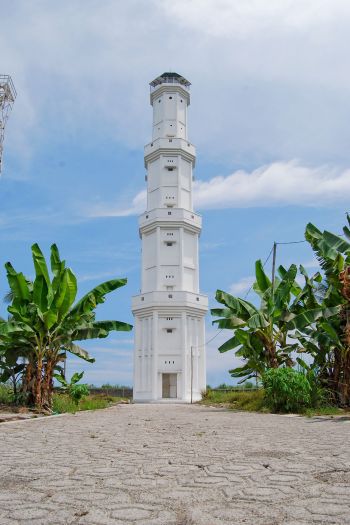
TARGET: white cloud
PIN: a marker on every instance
(221, 18)
(211, 246)
(218, 364)
(276, 184)
(311, 263)
(138, 206)
(98, 276)
(85, 66)
(242, 286)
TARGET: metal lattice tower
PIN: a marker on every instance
(7, 98)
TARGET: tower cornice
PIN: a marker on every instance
(171, 300)
(147, 228)
(173, 217)
(172, 146)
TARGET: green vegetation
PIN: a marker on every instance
(252, 401)
(6, 394)
(75, 392)
(115, 386)
(255, 401)
(63, 403)
(260, 334)
(286, 390)
(44, 324)
(225, 386)
(311, 319)
(325, 411)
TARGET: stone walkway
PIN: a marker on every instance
(175, 465)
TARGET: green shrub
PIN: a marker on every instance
(320, 396)
(76, 392)
(6, 394)
(224, 386)
(286, 390)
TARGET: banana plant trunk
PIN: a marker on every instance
(28, 383)
(47, 385)
(38, 383)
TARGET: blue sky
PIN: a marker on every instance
(269, 116)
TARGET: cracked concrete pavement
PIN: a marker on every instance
(175, 465)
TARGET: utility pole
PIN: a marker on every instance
(7, 99)
(274, 264)
(191, 374)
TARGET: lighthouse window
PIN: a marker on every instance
(159, 100)
(170, 98)
(181, 100)
(170, 169)
(169, 330)
(169, 243)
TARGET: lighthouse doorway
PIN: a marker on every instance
(169, 386)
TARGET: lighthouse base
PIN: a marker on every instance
(169, 356)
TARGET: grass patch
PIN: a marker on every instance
(252, 401)
(63, 404)
(6, 394)
(324, 411)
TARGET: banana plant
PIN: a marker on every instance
(13, 350)
(329, 339)
(262, 335)
(48, 323)
(76, 392)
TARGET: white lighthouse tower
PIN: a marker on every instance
(169, 355)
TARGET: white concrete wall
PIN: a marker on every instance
(173, 355)
(169, 115)
(169, 182)
(169, 259)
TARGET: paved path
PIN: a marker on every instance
(175, 465)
